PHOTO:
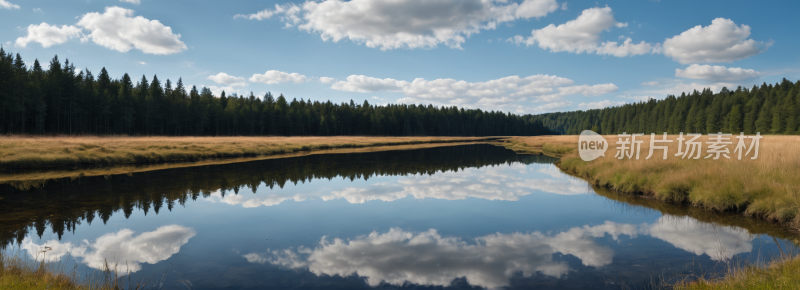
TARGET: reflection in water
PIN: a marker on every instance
(426, 258)
(120, 249)
(718, 242)
(64, 204)
(507, 183)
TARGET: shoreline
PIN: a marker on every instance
(272, 147)
(777, 272)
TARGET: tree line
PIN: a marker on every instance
(60, 101)
(768, 109)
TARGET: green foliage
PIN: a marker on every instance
(769, 109)
(58, 101)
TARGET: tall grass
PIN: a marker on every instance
(767, 188)
(28, 152)
(782, 272)
(19, 271)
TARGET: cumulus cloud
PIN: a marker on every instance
(134, 2)
(272, 77)
(716, 73)
(501, 94)
(653, 83)
(326, 80)
(600, 104)
(582, 35)
(48, 35)
(225, 79)
(8, 5)
(121, 249)
(141, 62)
(403, 23)
(722, 41)
(678, 88)
(426, 258)
(116, 29)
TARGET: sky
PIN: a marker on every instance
(518, 56)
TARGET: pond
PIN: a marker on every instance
(455, 217)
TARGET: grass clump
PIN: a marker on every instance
(781, 273)
(19, 272)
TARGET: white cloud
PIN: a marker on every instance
(272, 77)
(225, 79)
(326, 80)
(722, 41)
(36, 9)
(716, 73)
(118, 30)
(582, 35)
(8, 5)
(588, 90)
(678, 88)
(134, 2)
(718, 242)
(404, 23)
(500, 94)
(600, 104)
(141, 62)
(653, 83)
(120, 249)
(234, 88)
(48, 35)
(426, 258)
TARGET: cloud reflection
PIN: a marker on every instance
(122, 248)
(506, 183)
(718, 242)
(427, 258)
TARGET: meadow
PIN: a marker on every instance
(766, 188)
(35, 152)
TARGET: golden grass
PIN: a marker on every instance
(35, 178)
(781, 273)
(767, 188)
(29, 152)
(18, 272)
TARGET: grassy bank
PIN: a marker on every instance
(19, 272)
(767, 188)
(31, 152)
(34, 178)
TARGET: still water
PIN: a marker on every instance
(449, 217)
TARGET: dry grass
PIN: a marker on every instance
(19, 272)
(782, 273)
(35, 178)
(29, 152)
(767, 188)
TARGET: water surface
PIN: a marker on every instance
(453, 217)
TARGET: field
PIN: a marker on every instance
(32, 152)
(767, 188)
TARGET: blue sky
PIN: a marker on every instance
(520, 56)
